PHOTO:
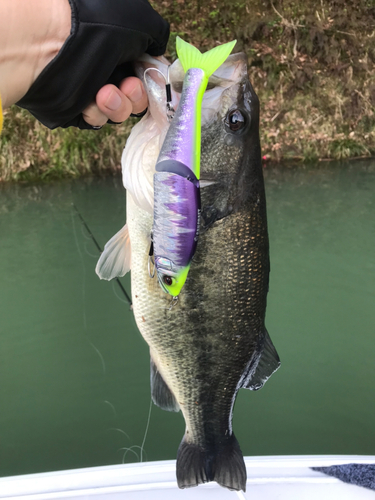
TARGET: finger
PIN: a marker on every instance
(117, 104)
(113, 103)
(93, 116)
(133, 88)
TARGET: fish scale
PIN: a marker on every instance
(227, 314)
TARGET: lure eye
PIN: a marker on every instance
(235, 120)
(167, 280)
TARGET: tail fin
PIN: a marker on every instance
(223, 464)
(209, 62)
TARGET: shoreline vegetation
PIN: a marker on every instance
(311, 63)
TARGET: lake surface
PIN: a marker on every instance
(74, 370)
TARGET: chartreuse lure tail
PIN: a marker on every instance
(209, 62)
(176, 182)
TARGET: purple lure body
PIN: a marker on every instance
(179, 143)
(176, 221)
(176, 192)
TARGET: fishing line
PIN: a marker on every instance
(100, 250)
(127, 451)
(84, 274)
(146, 431)
(119, 297)
(99, 354)
(118, 430)
(112, 407)
(84, 297)
(94, 256)
(241, 495)
(88, 238)
(87, 228)
(84, 233)
(132, 448)
(141, 448)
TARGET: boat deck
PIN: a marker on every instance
(269, 478)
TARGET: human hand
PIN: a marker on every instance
(93, 69)
(116, 104)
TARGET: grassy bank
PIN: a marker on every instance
(311, 63)
(30, 151)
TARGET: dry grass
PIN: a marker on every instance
(30, 151)
(311, 63)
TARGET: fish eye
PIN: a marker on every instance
(167, 280)
(235, 120)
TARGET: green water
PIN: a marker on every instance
(74, 371)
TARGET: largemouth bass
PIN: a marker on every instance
(213, 342)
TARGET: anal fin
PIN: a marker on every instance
(160, 392)
(269, 362)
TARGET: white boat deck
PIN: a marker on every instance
(269, 478)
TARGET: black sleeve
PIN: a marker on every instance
(106, 36)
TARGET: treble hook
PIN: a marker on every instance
(170, 108)
(173, 303)
(150, 260)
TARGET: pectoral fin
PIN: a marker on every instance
(116, 257)
(269, 362)
(160, 392)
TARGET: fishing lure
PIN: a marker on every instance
(176, 181)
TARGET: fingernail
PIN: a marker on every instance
(114, 101)
(136, 94)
